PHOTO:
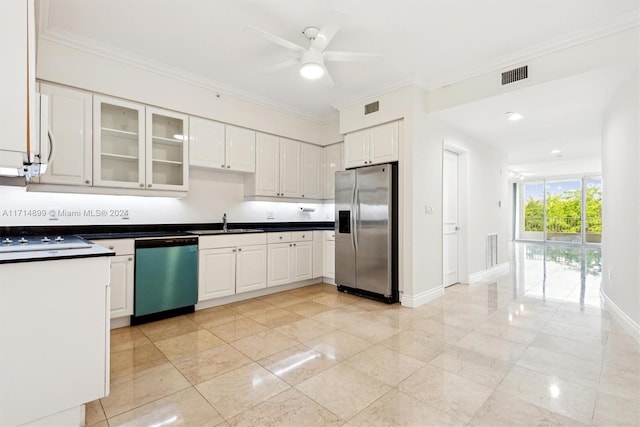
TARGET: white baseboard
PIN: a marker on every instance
(488, 274)
(414, 301)
(627, 323)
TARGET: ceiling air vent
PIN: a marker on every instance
(515, 75)
(371, 108)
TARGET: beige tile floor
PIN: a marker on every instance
(521, 351)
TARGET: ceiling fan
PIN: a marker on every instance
(312, 59)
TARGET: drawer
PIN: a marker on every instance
(279, 237)
(119, 246)
(329, 235)
(301, 236)
(232, 240)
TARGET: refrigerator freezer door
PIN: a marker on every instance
(345, 222)
(373, 229)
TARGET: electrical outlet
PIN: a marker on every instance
(270, 215)
(428, 210)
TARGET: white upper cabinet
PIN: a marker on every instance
(167, 150)
(138, 147)
(331, 163)
(278, 168)
(375, 145)
(267, 176)
(290, 170)
(118, 143)
(240, 149)
(215, 145)
(18, 79)
(67, 150)
(206, 143)
(311, 171)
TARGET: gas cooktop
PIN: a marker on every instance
(41, 243)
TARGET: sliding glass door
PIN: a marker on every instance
(562, 210)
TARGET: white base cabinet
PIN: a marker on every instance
(329, 258)
(290, 257)
(231, 264)
(122, 274)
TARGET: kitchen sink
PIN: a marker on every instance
(229, 231)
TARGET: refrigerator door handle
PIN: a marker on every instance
(356, 211)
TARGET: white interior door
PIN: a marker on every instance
(450, 218)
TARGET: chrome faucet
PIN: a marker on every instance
(224, 222)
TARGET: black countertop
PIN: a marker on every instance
(131, 231)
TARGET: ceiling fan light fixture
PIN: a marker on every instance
(311, 70)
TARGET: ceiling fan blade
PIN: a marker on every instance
(329, 30)
(274, 39)
(282, 65)
(327, 77)
(332, 55)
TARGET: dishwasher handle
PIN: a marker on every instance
(166, 242)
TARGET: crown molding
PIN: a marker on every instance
(616, 25)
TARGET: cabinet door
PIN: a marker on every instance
(356, 149)
(121, 286)
(302, 261)
(251, 268)
(118, 143)
(267, 165)
(241, 149)
(330, 259)
(384, 143)
(311, 181)
(206, 143)
(216, 273)
(279, 264)
(68, 152)
(290, 170)
(332, 164)
(167, 154)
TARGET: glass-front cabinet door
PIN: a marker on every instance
(118, 141)
(166, 150)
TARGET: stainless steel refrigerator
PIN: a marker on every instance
(366, 232)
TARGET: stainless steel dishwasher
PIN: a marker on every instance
(166, 278)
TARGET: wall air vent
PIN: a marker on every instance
(371, 108)
(515, 75)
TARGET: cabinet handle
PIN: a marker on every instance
(233, 250)
(290, 245)
(129, 259)
(294, 244)
(141, 185)
(280, 237)
(222, 166)
(239, 249)
(111, 247)
(303, 195)
(303, 236)
(149, 185)
(228, 166)
(87, 181)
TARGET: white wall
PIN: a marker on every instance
(484, 195)
(621, 204)
(211, 194)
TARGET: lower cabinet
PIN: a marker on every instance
(290, 257)
(329, 259)
(122, 273)
(231, 264)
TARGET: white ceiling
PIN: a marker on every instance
(425, 42)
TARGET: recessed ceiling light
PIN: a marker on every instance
(555, 151)
(513, 116)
